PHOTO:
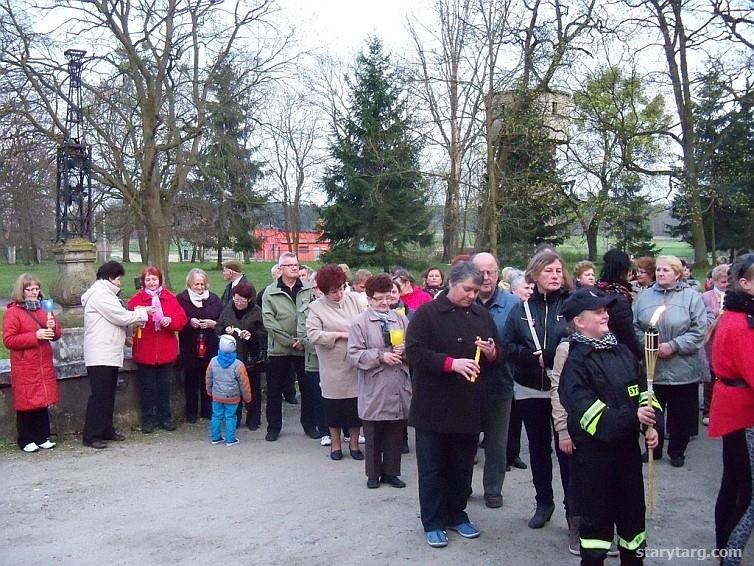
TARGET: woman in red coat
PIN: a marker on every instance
(155, 349)
(732, 410)
(27, 333)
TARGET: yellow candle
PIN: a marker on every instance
(396, 336)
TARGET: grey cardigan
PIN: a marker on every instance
(384, 391)
(682, 325)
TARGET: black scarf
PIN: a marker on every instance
(740, 301)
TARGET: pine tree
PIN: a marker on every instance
(227, 172)
(376, 195)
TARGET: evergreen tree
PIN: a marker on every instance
(376, 195)
(726, 182)
(628, 218)
(227, 172)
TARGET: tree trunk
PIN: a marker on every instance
(193, 253)
(143, 248)
(450, 222)
(219, 262)
(591, 233)
(126, 243)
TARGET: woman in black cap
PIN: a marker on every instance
(602, 391)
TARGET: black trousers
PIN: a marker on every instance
(445, 463)
(278, 369)
(98, 424)
(253, 409)
(611, 494)
(680, 404)
(198, 403)
(734, 497)
(513, 449)
(537, 418)
(33, 426)
(155, 384)
(382, 449)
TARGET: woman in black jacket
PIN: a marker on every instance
(441, 342)
(531, 362)
(198, 341)
(614, 281)
(242, 317)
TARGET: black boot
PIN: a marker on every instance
(541, 515)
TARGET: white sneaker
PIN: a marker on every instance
(47, 444)
(325, 440)
(362, 440)
(31, 447)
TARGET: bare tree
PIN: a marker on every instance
(295, 140)
(449, 78)
(161, 57)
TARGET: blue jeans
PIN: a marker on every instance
(223, 412)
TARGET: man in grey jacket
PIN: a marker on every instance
(496, 409)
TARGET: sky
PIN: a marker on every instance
(340, 27)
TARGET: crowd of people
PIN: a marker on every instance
(478, 350)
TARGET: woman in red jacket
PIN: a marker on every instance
(732, 411)
(27, 333)
(155, 349)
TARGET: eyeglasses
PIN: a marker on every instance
(291, 265)
(240, 300)
(488, 273)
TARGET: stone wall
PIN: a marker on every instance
(67, 417)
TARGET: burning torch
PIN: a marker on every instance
(651, 347)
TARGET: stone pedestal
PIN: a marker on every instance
(75, 260)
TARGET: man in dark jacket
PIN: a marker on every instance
(496, 406)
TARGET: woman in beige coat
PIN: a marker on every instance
(376, 348)
(327, 325)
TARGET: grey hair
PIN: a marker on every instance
(194, 272)
(286, 255)
(464, 270)
(719, 271)
(517, 280)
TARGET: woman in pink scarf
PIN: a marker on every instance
(155, 349)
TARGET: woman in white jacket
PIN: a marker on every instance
(105, 323)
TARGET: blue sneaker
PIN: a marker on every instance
(466, 530)
(437, 538)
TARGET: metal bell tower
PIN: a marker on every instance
(74, 183)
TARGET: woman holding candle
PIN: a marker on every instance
(198, 341)
(155, 349)
(732, 411)
(327, 326)
(446, 407)
(376, 347)
(27, 333)
(679, 366)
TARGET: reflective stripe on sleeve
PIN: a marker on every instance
(591, 417)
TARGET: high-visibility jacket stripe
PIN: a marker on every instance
(643, 401)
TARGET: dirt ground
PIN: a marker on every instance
(172, 498)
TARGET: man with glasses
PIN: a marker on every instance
(280, 304)
(496, 406)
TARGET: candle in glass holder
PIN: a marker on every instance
(396, 336)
